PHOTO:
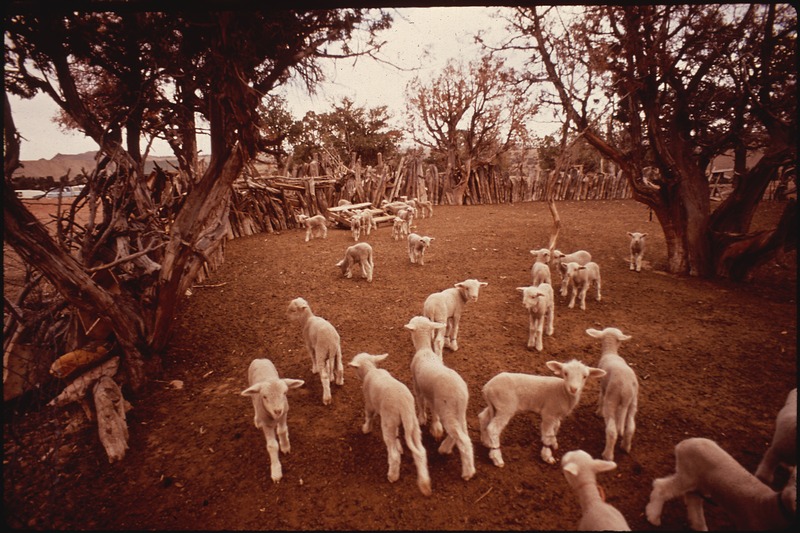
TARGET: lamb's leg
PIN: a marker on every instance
(389, 431)
(611, 436)
(630, 428)
(308, 234)
(283, 436)
(338, 372)
(493, 430)
(539, 333)
(550, 314)
(633, 262)
(572, 297)
(314, 365)
(454, 332)
(437, 430)
(531, 331)
(325, 378)
(597, 286)
(584, 290)
(664, 489)
(549, 429)
(276, 473)
(369, 415)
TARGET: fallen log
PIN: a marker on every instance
(77, 389)
(111, 425)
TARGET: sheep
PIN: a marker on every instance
(703, 470)
(314, 225)
(399, 228)
(446, 307)
(538, 300)
(322, 343)
(390, 399)
(441, 390)
(507, 394)
(619, 391)
(783, 449)
(367, 221)
(407, 214)
(356, 223)
(425, 208)
(417, 246)
(344, 202)
(393, 207)
(637, 249)
(580, 256)
(268, 392)
(580, 278)
(580, 471)
(358, 254)
(540, 273)
(542, 255)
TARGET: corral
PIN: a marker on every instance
(714, 359)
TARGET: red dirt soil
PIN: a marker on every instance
(714, 359)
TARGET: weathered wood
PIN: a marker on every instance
(111, 425)
(80, 358)
(77, 389)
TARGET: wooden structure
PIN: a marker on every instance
(341, 214)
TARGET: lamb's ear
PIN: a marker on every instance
(521, 289)
(484, 283)
(596, 372)
(572, 468)
(594, 333)
(410, 326)
(644, 235)
(630, 234)
(555, 366)
(252, 390)
(293, 383)
(598, 465)
(379, 358)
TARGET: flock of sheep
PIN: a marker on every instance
(438, 396)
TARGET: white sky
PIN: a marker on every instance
(420, 38)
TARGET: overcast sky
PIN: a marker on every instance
(421, 40)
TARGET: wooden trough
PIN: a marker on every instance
(341, 214)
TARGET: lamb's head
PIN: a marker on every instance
(298, 308)
(272, 394)
(608, 333)
(364, 362)
(301, 218)
(579, 468)
(532, 296)
(423, 331)
(470, 288)
(574, 373)
(542, 255)
(637, 239)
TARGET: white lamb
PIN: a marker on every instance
(271, 407)
(581, 470)
(580, 278)
(446, 307)
(393, 207)
(315, 226)
(619, 391)
(553, 398)
(356, 223)
(322, 343)
(540, 273)
(390, 399)
(581, 257)
(367, 221)
(417, 246)
(637, 249)
(359, 254)
(407, 214)
(441, 390)
(703, 470)
(425, 208)
(399, 228)
(539, 302)
(783, 450)
(542, 255)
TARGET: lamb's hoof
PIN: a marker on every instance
(652, 517)
(497, 457)
(468, 475)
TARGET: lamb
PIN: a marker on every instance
(344, 202)
(268, 392)
(703, 470)
(417, 246)
(580, 471)
(393, 207)
(322, 343)
(580, 278)
(399, 228)
(783, 449)
(581, 257)
(637, 249)
(314, 225)
(619, 391)
(390, 399)
(425, 208)
(446, 307)
(407, 214)
(367, 221)
(358, 254)
(442, 391)
(356, 223)
(507, 394)
(538, 300)
(540, 273)
(542, 255)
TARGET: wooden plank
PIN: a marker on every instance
(349, 207)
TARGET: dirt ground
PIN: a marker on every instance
(714, 359)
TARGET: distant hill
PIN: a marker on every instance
(62, 164)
